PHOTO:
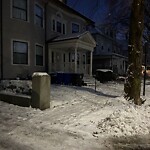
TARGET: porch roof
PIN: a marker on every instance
(78, 40)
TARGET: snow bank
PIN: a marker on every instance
(129, 120)
(16, 86)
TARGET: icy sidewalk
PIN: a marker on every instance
(79, 119)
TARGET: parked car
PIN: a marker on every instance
(104, 75)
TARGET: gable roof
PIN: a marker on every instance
(69, 9)
(81, 40)
(72, 36)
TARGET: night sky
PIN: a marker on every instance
(97, 10)
(105, 11)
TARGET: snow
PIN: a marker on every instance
(79, 119)
(39, 74)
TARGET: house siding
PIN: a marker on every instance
(107, 54)
(28, 31)
(67, 18)
(16, 29)
(0, 38)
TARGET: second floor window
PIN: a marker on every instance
(39, 55)
(20, 52)
(75, 28)
(38, 15)
(19, 9)
(59, 27)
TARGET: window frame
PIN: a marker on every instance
(41, 17)
(26, 11)
(74, 23)
(36, 55)
(12, 52)
(58, 18)
(58, 26)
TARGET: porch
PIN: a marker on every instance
(68, 53)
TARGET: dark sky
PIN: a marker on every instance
(96, 10)
(102, 11)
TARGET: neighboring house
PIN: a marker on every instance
(108, 54)
(42, 35)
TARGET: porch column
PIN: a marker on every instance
(91, 61)
(75, 59)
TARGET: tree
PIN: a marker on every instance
(132, 87)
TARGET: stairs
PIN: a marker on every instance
(89, 80)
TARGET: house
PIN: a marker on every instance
(108, 54)
(43, 35)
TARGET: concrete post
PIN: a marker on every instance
(40, 90)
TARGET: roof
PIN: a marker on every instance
(72, 36)
(84, 38)
(95, 30)
(104, 70)
(69, 36)
(69, 9)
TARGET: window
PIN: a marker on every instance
(75, 28)
(64, 28)
(39, 55)
(38, 15)
(64, 57)
(19, 9)
(111, 34)
(20, 52)
(69, 57)
(58, 23)
(52, 57)
(58, 26)
(84, 61)
(53, 25)
(83, 58)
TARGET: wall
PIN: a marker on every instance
(21, 30)
(20, 100)
(0, 35)
(15, 29)
(109, 57)
(67, 17)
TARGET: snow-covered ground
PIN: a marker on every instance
(79, 119)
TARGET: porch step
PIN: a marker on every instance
(89, 80)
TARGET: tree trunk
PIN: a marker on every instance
(132, 87)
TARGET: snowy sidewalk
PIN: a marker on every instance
(79, 119)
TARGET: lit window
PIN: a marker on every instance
(38, 15)
(39, 55)
(20, 52)
(19, 9)
(75, 28)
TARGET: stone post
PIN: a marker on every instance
(40, 91)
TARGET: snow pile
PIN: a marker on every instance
(16, 86)
(128, 121)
